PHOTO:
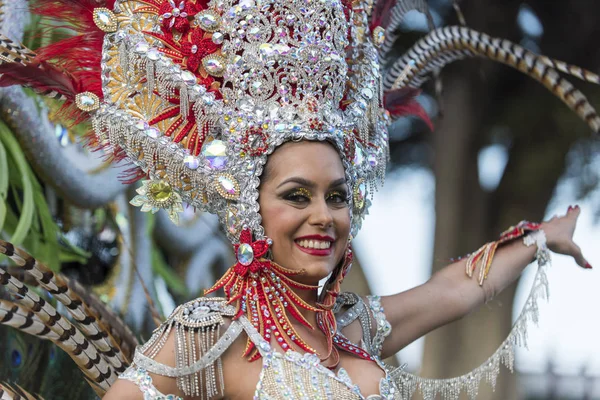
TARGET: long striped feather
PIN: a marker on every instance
(102, 372)
(15, 392)
(11, 51)
(445, 45)
(87, 320)
(396, 18)
(25, 320)
(121, 333)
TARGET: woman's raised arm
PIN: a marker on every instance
(450, 294)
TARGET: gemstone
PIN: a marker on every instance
(360, 194)
(254, 32)
(215, 153)
(246, 104)
(188, 77)
(378, 36)
(105, 19)
(208, 20)
(246, 4)
(282, 49)
(367, 93)
(152, 132)
(191, 162)
(141, 47)
(232, 221)
(160, 191)
(153, 54)
(87, 101)
(245, 254)
(238, 61)
(218, 38)
(267, 50)
(227, 186)
(359, 156)
(257, 87)
(372, 160)
(214, 65)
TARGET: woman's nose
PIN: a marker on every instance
(321, 214)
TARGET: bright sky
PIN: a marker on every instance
(395, 246)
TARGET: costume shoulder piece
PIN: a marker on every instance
(198, 328)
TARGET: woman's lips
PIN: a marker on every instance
(316, 241)
(316, 252)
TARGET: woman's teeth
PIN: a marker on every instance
(314, 244)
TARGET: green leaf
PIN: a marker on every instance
(3, 174)
(71, 249)
(27, 212)
(65, 257)
(49, 234)
(160, 268)
(2, 213)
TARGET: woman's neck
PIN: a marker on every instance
(311, 298)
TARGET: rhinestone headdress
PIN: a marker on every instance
(199, 94)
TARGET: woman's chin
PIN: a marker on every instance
(314, 272)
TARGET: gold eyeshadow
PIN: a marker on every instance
(337, 193)
(302, 192)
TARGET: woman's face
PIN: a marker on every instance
(304, 208)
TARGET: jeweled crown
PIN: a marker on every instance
(199, 94)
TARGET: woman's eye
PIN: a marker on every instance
(337, 198)
(299, 196)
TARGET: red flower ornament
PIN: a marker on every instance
(196, 48)
(174, 14)
(248, 254)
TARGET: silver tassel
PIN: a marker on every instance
(184, 101)
(150, 77)
(124, 59)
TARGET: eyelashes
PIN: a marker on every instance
(303, 195)
(338, 196)
(300, 192)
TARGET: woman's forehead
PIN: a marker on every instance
(317, 161)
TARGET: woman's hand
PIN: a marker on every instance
(559, 235)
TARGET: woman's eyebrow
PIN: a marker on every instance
(310, 184)
(338, 182)
(297, 179)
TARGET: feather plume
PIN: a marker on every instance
(392, 11)
(42, 77)
(401, 103)
(87, 320)
(95, 368)
(15, 392)
(118, 329)
(445, 45)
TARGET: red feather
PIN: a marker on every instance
(401, 102)
(381, 13)
(81, 53)
(42, 77)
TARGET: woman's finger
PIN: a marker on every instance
(575, 252)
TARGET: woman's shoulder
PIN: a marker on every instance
(187, 346)
(196, 326)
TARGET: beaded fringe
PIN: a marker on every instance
(190, 345)
(450, 389)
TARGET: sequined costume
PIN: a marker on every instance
(290, 375)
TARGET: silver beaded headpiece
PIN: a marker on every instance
(198, 95)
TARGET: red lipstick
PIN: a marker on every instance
(316, 252)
